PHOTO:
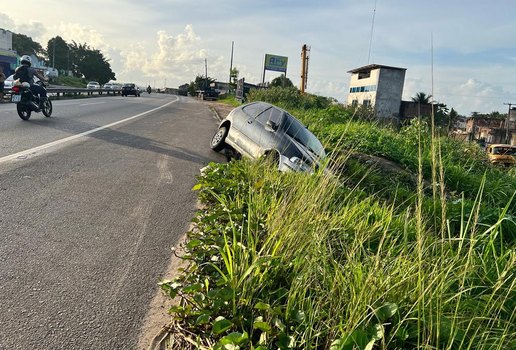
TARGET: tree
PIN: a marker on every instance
(441, 117)
(453, 116)
(201, 83)
(24, 45)
(422, 98)
(90, 63)
(58, 53)
(281, 81)
(233, 78)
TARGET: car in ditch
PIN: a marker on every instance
(261, 129)
(130, 89)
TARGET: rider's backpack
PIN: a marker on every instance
(22, 73)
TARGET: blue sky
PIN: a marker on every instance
(166, 41)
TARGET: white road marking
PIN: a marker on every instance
(33, 151)
(92, 103)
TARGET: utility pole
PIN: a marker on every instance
(508, 122)
(305, 53)
(54, 55)
(206, 71)
(231, 65)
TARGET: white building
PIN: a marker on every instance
(377, 86)
(8, 58)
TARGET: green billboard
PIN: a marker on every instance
(276, 63)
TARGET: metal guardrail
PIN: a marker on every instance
(58, 91)
(80, 91)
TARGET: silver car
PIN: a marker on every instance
(260, 129)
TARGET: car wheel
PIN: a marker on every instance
(219, 139)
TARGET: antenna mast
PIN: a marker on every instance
(372, 30)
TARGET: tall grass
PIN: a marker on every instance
(290, 261)
(355, 261)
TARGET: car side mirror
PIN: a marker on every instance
(271, 125)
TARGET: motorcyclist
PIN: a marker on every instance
(149, 89)
(26, 73)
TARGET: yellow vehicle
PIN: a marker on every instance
(502, 154)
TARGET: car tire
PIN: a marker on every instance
(218, 141)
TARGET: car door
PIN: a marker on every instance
(263, 130)
(244, 126)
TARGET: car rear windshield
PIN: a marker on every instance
(508, 151)
(301, 134)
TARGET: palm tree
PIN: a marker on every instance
(422, 98)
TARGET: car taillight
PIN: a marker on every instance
(15, 89)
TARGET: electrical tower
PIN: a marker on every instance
(305, 56)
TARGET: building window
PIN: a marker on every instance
(364, 75)
(367, 88)
(354, 103)
(366, 103)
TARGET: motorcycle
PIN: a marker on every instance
(26, 102)
(149, 89)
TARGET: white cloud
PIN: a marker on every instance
(156, 41)
(176, 58)
(477, 96)
(6, 22)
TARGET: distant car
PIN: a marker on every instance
(8, 83)
(260, 129)
(210, 94)
(501, 154)
(130, 89)
(108, 86)
(93, 85)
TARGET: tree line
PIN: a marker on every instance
(80, 59)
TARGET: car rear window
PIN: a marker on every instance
(272, 114)
(254, 109)
(509, 151)
(301, 134)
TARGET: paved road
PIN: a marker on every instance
(87, 217)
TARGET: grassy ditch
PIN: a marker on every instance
(359, 258)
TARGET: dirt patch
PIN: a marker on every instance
(156, 324)
(221, 109)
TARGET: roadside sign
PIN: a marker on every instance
(239, 93)
(276, 63)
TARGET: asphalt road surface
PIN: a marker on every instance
(92, 200)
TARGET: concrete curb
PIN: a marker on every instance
(216, 114)
(161, 339)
